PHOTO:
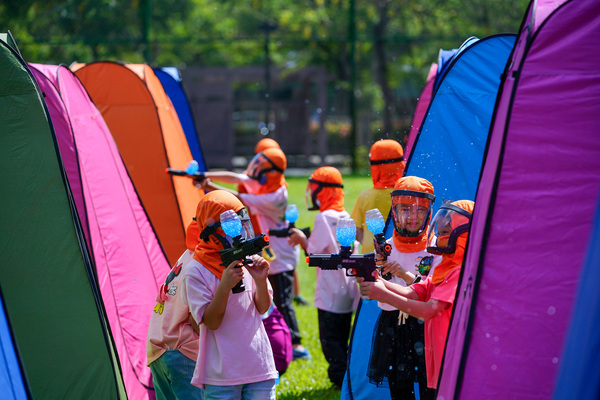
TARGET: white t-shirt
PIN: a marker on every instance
(409, 262)
(334, 292)
(251, 185)
(269, 209)
(239, 351)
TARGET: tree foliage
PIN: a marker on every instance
(396, 41)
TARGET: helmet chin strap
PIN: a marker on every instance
(212, 230)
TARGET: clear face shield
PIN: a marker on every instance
(259, 166)
(448, 224)
(312, 190)
(237, 226)
(310, 195)
(411, 211)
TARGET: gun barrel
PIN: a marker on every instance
(180, 172)
(361, 265)
(284, 232)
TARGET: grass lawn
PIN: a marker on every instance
(308, 379)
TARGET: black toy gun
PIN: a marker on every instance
(286, 232)
(375, 224)
(191, 171)
(383, 249)
(240, 250)
(291, 215)
(361, 265)
(198, 176)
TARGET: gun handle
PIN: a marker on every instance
(239, 287)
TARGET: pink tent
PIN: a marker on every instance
(534, 212)
(129, 260)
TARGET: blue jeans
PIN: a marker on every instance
(264, 390)
(171, 375)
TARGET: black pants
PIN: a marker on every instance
(283, 296)
(398, 353)
(334, 332)
(405, 390)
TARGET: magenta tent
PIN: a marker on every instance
(534, 213)
(129, 261)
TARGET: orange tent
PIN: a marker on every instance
(149, 136)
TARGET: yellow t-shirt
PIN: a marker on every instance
(367, 200)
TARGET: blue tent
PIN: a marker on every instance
(579, 374)
(170, 79)
(448, 152)
(11, 376)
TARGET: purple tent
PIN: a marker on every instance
(534, 212)
(128, 258)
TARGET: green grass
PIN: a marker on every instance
(308, 379)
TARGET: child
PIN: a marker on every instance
(387, 165)
(398, 341)
(336, 294)
(252, 187)
(235, 360)
(268, 203)
(172, 347)
(432, 300)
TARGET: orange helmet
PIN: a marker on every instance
(328, 178)
(266, 143)
(412, 199)
(450, 221)
(387, 163)
(272, 159)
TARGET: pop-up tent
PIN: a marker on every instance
(57, 320)
(128, 260)
(146, 128)
(421, 109)
(170, 78)
(11, 376)
(436, 71)
(448, 152)
(533, 218)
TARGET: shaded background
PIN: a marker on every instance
(325, 78)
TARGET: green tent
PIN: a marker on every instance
(47, 281)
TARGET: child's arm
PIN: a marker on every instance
(194, 324)
(215, 311)
(403, 298)
(259, 270)
(298, 237)
(396, 269)
(207, 184)
(225, 177)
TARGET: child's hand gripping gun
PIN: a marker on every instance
(232, 226)
(376, 224)
(291, 215)
(361, 265)
(191, 171)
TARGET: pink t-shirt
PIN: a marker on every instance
(170, 327)
(239, 351)
(269, 209)
(334, 292)
(436, 329)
